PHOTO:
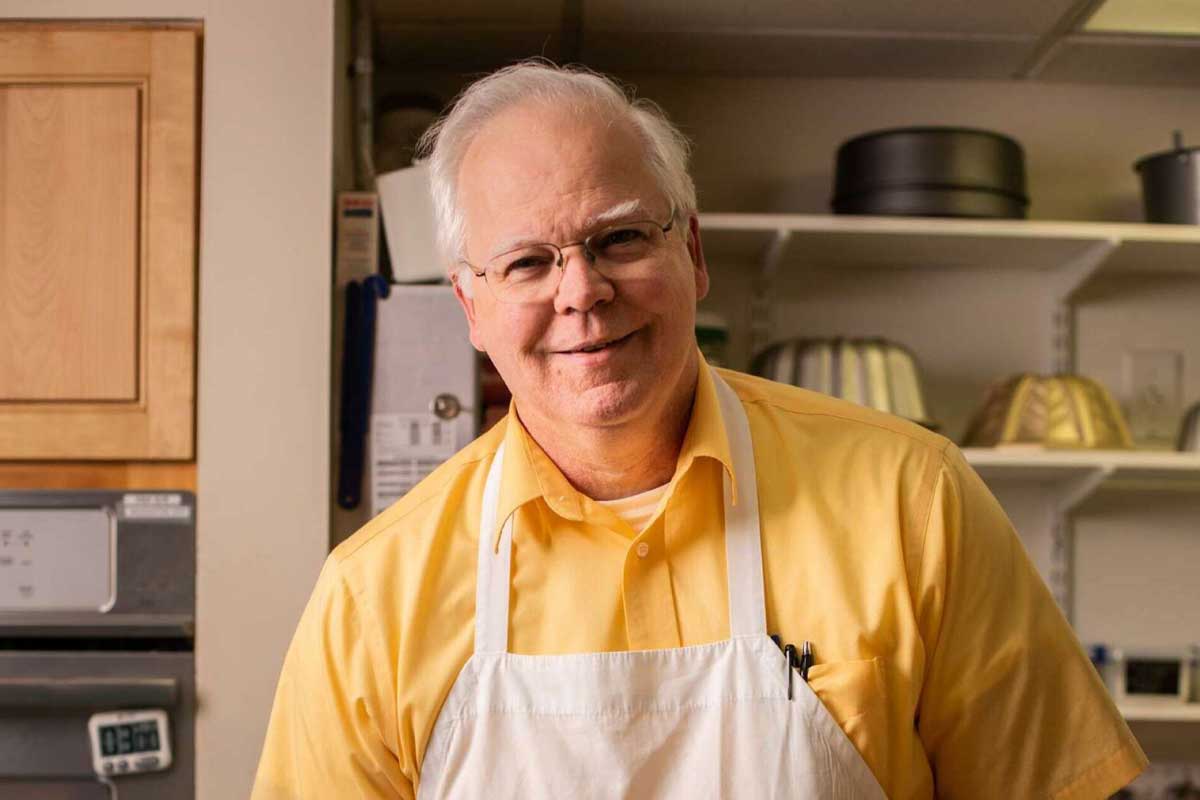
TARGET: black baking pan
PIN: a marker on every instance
(931, 171)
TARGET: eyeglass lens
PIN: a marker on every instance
(531, 270)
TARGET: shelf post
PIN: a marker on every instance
(1069, 279)
(1062, 531)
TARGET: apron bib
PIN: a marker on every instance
(711, 720)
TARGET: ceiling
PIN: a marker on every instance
(1180, 17)
(1011, 39)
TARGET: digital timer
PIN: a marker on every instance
(124, 742)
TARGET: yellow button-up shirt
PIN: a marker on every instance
(938, 648)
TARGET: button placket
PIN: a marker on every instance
(650, 615)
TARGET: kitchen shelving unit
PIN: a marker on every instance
(784, 253)
(1068, 254)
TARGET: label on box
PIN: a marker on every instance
(357, 235)
(404, 449)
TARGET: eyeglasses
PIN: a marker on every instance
(531, 273)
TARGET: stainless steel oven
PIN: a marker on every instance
(97, 604)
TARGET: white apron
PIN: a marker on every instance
(710, 720)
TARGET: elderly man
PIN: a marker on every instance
(657, 579)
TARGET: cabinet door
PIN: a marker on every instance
(98, 131)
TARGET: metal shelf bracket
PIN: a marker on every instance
(1077, 490)
(761, 317)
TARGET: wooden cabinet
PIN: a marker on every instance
(98, 177)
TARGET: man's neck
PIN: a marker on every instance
(606, 463)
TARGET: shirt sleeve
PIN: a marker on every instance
(331, 733)
(1010, 705)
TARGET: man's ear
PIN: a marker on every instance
(696, 251)
(468, 306)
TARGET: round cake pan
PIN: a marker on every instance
(931, 171)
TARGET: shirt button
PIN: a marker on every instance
(643, 549)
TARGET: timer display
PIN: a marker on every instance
(136, 737)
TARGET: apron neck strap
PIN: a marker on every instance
(743, 543)
(492, 576)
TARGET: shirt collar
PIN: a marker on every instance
(529, 474)
(706, 435)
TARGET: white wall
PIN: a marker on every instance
(263, 401)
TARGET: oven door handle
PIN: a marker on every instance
(67, 693)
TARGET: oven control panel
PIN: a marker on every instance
(57, 559)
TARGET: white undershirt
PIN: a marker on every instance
(637, 510)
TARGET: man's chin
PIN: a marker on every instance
(609, 404)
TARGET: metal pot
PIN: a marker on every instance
(1171, 184)
(931, 171)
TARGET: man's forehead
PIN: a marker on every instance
(540, 143)
(535, 172)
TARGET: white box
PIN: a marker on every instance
(408, 224)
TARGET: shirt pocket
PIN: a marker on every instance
(855, 695)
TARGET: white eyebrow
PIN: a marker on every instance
(617, 211)
(621, 209)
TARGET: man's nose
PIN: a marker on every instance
(581, 286)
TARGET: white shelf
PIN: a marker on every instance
(877, 242)
(1122, 468)
(1164, 712)
(1075, 475)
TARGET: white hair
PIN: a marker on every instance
(446, 142)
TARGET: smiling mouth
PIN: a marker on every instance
(596, 348)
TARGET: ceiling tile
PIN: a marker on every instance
(1174, 17)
